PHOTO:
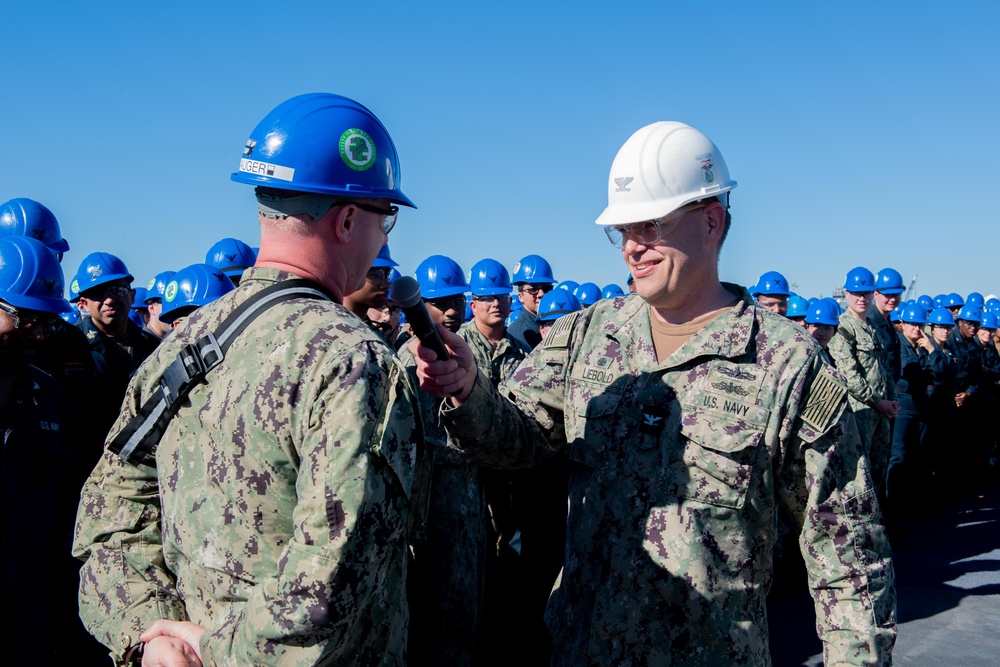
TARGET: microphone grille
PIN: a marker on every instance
(405, 291)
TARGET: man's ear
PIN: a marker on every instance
(715, 220)
(340, 220)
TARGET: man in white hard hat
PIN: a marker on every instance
(688, 417)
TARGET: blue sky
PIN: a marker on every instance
(860, 133)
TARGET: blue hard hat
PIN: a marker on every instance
(393, 274)
(941, 301)
(384, 258)
(557, 303)
(488, 277)
(96, 269)
(894, 315)
(468, 307)
(588, 294)
(914, 315)
(970, 314)
(323, 143)
(158, 285)
(990, 321)
(825, 311)
(71, 316)
(992, 305)
(772, 283)
(611, 291)
(30, 276)
(975, 299)
(231, 256)
(797, 307)
(889, 281)
(534, 270)
(954, 300)
(926, 302)
(568, 285)
(859, 279)
(139, 300)
(941, 316)
(516, 305)
(26, 217)
(440, 276)
(193, 287)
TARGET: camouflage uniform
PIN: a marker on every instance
(275, 512)
(676, 470)
(858, 350)
(445, 581)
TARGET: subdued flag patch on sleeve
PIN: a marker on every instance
(824, 398)
(559, 334)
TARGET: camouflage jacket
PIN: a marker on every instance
(858, 350)
(676, 470)
(497, 362)
(275, 511)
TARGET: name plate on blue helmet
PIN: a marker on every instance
(267, 169)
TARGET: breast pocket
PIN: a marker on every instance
(717, 457)
(591, 411)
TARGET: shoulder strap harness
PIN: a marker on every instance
(140, 436)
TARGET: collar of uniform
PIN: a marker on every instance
(267, 275)
(728, 335)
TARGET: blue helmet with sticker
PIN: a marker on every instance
(941, 301)
(926, 302)
(440, 276)
(231, 256)
(975, 299)
(71, 316)
(568, 285)
(30, 276)
(26, 217)
(611, 290)
(193, 287)
(588, 294)
(557, 303)
(384, 258)
(860, 279)
(942, 317)
(488, 277)
(970, 314)
(894, 315)
(157, 286)
(825, 311)
(954, 300)
(797, 307)
(99, 268)
(533, 270)
(990, 321)
(889, 281)
(914, 315)
(992, 305)
(323, 143)
(772, 283)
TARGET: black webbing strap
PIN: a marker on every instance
(140, 436)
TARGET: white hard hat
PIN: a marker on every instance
(660, 168)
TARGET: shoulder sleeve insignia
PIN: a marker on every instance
(558, 336)
(825, 396)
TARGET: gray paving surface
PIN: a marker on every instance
(948, 587)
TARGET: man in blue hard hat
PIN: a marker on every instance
(533, 279)
(772, 292)
(268, 520)
(374, 293)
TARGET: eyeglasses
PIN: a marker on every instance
(388, 214)
(446, 303)
(490, 298)
(536, 290)
(109, 292)
(25, 321)
(378, 274)
(649, 232)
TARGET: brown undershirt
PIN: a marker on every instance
(667, 338)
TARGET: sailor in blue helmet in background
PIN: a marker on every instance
(889, 290)
(374, 293)
(154, 304)
(232, 257)
(772, 292)
(269, 523)
(191, 288)
(44, 463)
(533, 279)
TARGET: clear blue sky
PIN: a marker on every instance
(860, 133)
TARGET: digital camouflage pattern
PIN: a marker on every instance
(859, 351)
(449, 549)
(282, 492)
(498, 362)
(676, 471)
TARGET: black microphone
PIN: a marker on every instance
(405, 292)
